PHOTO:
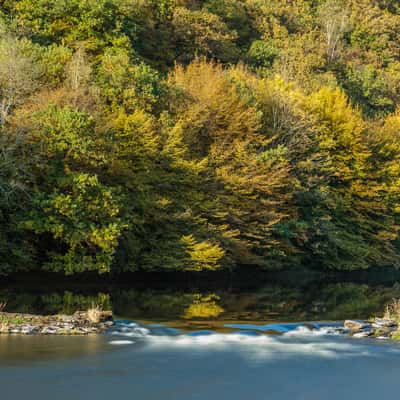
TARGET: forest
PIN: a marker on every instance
(192, 135)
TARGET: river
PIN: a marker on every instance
(196, 343)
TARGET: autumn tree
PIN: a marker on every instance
(334, 18)
(17, 76)
(246, 178)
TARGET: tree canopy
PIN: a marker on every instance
(199, 134)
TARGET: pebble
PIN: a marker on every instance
(77, 324)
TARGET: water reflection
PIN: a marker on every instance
(272, 302)
(17, 349)
(219, 348)
(204, 306)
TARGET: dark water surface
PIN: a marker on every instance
(231, 341)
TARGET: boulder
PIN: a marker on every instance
(363, 334)
(384, 323)
(354, 325)
(384, 331)
(395, 335)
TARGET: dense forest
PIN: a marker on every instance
(199, 134)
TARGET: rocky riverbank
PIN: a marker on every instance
(95, 321)
(81, 323)
(380, 328)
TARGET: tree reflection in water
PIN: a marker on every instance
(316, 301)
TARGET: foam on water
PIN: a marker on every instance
(243, 333)
(129, 329)
(322, 331)
(321, 340)
(121, 342)
(311, 327)
(254, 342)
(308, 361)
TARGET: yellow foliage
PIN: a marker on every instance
(202, 255)
(213, 115)
(338, 129)
(204, 306)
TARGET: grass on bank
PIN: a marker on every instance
(94, 313)
(392, 311)
(12, 320)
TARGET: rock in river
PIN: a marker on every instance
(384, 323)
(354, 325)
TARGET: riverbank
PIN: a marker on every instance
(379, 328)
(95, 321)
(92, 321)
(241, 277)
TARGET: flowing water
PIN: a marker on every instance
(186, 343)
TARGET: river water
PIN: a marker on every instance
(196, 343)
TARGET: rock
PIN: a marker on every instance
(4, 328)
(354, 325)
(384, 331)
(28, 329)
(77, 324)
(363, 334)
(395, 335)
(49, 330)
(384, 323)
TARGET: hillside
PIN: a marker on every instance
(199, 135)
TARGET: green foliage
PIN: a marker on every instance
(13, 320)
(262, 54)
(72, 206)
(200, 33)
(82, 215)
(370, 89)
(92, 23)
(128, 85)
(349, 220)
(197, 135)
(54, 60)
(237, 15)
(15, 249)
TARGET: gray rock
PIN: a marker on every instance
(384, 323)
(67, 318)
(49, 330)
(354, 325)
(28, 329)
(384, 331)
(363, 334)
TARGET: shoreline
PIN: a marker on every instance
(90, 322)
(95, 321)
(378, 328)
